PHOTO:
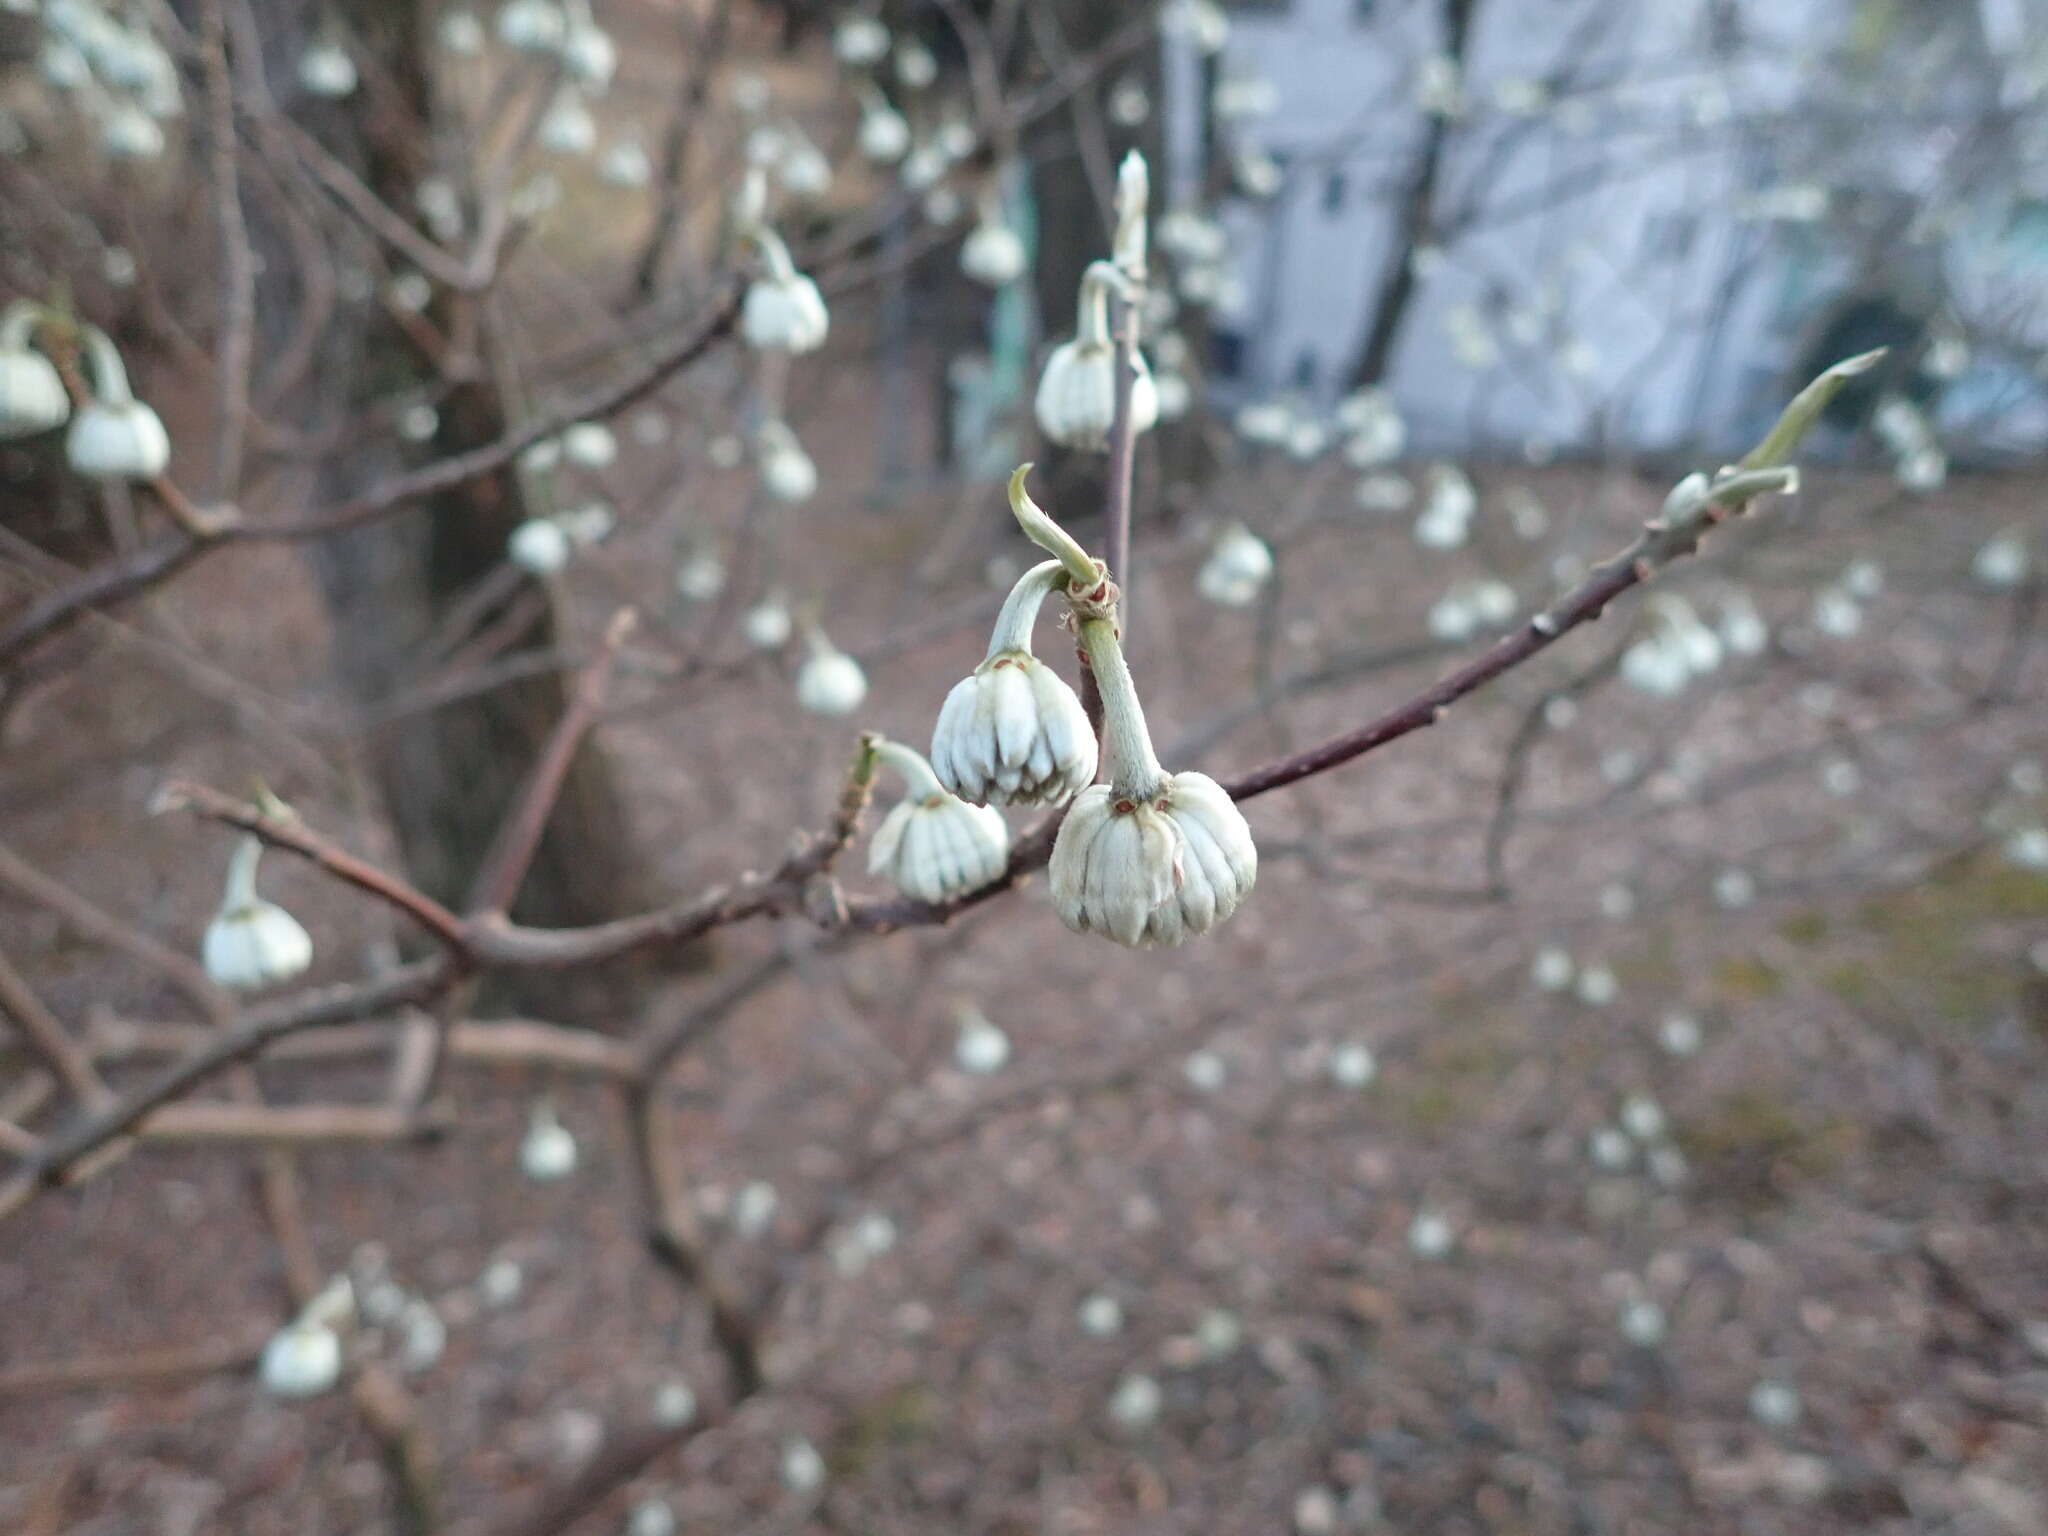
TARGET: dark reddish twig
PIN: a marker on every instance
(296, 837)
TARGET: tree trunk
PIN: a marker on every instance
(446, 775)
(1412, 225)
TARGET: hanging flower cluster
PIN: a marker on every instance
(112, 435)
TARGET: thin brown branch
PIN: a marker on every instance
(511, 852)
(130, 1368)
(46, 1035)
(295, 837)
(238, 261)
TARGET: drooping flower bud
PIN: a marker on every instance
(626, 164)
(884, 135)
(251, 942)
(32, 397)
(981, 1047)
(547, 1152)
(1150, 857)
(1012, 732)
(589, 56)
(993, 253)
(787, 472)
(1240, 563)
(767, 624)
(783, 311)
(830, 682)
(531, 26)
(540, 545)
(933, 845)
(590, 444)
(860, 41)
(460, 33)
(568, 128)
(326, 70)
(1076, 399)
(303, 1358)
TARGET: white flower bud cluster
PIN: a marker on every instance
(935, 846)
(116, 70)
(112, 435)
(1076, 399)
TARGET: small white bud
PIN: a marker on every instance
(547, 1152)
(127, 132)
(626, 164)
(803, 1469)
(1642, 1324)
(2000, 562)
(531, 26)
(300, 1360)
(701, 577)
(883, 136)
(754, 1207)
(860, 41)
(326, 70)
(1240, 564)
(1430, 1235)
(1159, 872)
(589, 57)
(768, 624)
(981, 1047)
(568, 128)
(1643, 1118)
(32, 397)
(539, 545)
(1076, 399)
(915, 65)
(675, 1404)
(784, 312)
(933, 845)
(787, 472)
(1610, 1149)
(993, 252)
(251, 942)
(461, 34)
(1679, 1034)
(1774, 1404)
(829, 682)
(1352, 1065)
(1100, 1315)
(1136, 1402)
(1552, 970)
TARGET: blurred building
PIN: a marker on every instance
(1628, 223)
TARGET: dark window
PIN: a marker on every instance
(1333, 192)
(1361, 10)
(1226, 354)
(1305, 370)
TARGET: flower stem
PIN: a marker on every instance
(1049, 536)
(1135, 773)
(910, 765)
(241, 886)
(1020, 609)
